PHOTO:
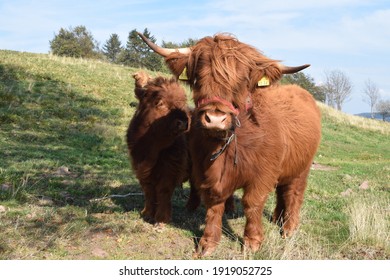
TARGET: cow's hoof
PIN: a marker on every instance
(286, 233)
(159, 227)
(147, 215)
(205, 249)
(253, 245)
(201, 253)
(288, 230)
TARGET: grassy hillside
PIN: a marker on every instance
(62, 148)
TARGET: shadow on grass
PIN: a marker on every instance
(181, 217)
(47, 123)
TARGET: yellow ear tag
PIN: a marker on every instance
(183, 76)
(263, 82)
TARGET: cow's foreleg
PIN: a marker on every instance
(213, 230)
(253, 203)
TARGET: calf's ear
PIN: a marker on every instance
(141, 79)
(140, 93)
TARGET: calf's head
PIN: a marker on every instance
(162, 104)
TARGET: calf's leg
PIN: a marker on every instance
(164, 193)
(149, 210)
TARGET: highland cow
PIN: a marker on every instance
(157, 143)
(248, 131)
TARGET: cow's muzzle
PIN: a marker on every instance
(216, 120)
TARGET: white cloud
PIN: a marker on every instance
(371, 31)
(269, 6)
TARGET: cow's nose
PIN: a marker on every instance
(216, 119)
(181, 125)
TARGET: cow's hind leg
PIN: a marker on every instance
(229, 205)
(289, 199)
(194, 198)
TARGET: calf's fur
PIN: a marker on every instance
(157, 143)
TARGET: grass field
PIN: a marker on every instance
(62, 149)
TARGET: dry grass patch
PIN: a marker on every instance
(369, 221)
(356, 121)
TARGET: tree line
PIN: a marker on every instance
(79, 42)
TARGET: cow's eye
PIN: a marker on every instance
(159, 103)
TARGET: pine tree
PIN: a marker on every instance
(137, 54)
(187, 43)
(112, 48)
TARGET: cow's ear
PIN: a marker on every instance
(177, 63)
(264, 74)
(273, 72)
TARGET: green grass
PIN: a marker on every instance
(62, 145)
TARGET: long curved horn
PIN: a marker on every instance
(163, 51)
(292, 70)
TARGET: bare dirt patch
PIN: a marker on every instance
(322, 167)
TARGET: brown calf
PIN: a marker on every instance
(157, 143)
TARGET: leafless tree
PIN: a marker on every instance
(371, 96)
(337, 88)
(383, 108)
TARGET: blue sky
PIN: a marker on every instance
(348, 35)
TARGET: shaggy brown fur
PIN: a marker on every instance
(222, 66)
(157, 143)
(268, 145)
(275, 145)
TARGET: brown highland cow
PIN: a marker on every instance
(157, 143)
(248, 131)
